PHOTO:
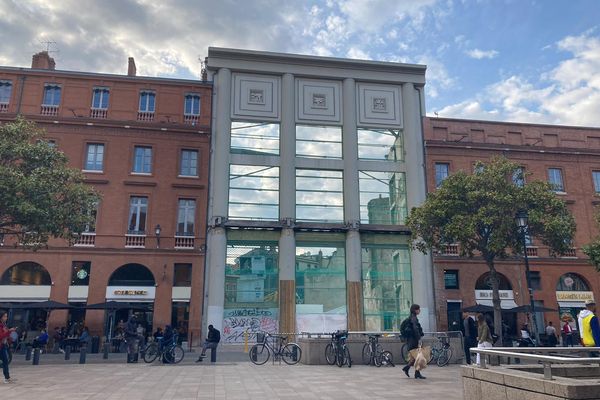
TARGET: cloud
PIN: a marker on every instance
(480, 54)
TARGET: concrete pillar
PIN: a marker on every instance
(287, 207)
(352, 207)
(422, 274)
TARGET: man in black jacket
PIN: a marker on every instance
(132, 339)
(413, 333)
(470, 338)
(212, 341)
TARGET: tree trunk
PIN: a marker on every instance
(496, 302)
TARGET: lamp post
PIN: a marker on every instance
(157, 230)
(522, 222)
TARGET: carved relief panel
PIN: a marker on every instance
(255, 97)
(379, 105)
(318, 101)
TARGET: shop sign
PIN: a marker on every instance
(487, 294)
(130, 293)
(574, 296)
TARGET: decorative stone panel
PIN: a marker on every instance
(255, 97)
(318, 101)
(379, 105)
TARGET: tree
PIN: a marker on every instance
(477, 212)
(592, 250)
(40, 196)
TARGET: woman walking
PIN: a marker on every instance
(412, 331)
(5, 335)
(484, 337)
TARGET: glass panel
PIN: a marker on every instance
(95, 156)
(180, 319)
(91, 227)
(185, 217)
(182, 275)
(382, 197)
(147, 101)
(320, 288)
(142, 162)
(51, 96)
(5, 91)
(319, 141)
(441, 173)
(192, 105)
(251, 290)
(26, 273)
(189, 163)
(518, 177)
(572, 282)
(137, 215)
(380, 144)
(555, 179)
(253, 192)
(596, 178)
(254, 138)
(319, 195)
(387, 286)
(451, 279)
(80, 273)
(100, 98)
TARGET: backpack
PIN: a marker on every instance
(406, 328)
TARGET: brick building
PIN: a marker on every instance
(143, 143)
(567, 156)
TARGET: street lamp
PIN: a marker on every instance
(157, 230)
(522, 220)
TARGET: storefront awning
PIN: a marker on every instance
(504, 304)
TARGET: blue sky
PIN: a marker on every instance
(518, 60)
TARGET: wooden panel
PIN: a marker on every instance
(355, 307)
(287, 306)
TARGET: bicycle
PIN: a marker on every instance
(170, 353)
(260, 353)
(337, 351)
(441, 352)
(373, 353)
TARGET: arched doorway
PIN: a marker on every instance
(135, 286)
(26, 282)
(572, 291)
(483, 295)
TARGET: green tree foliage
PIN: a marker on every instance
(592, 250)
(477, 212)
(40, 196)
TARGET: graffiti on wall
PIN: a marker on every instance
(236, 321)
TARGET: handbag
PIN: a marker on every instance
(421, 355)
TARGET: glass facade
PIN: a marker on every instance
(254, 138)
(387, 286)
(319, 195)
(380, 144)
(253, 192)
(319, 141)
(382, 197)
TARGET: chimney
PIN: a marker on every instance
(42, 60)
(131, 70)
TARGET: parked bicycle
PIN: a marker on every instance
(277, 346)
(441, 351)
(170, 353)
(373, 353)
(337, 351)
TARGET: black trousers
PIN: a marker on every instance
(468, 343)
(4, 358)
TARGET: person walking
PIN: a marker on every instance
(567, 331)
(212, 341)
(470, 335)
(589, 327)
(411, 329)
(484, 337)
(131, 337)
(5, 335)
(551, 335)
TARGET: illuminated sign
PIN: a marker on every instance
(574, 296)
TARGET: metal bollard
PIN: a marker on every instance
(82, 354)
(28, 353)
(36, 357)
(105, 351)
(67, 353)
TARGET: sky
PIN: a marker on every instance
(534, 61)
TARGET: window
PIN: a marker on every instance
(254, 138)
(182, 275)
(192, 104)
(100, 98)
(142, 159)
(555, 178)
(80, 273)
(382, 197)
(138, 209)
(442, 170)
(596, 178)
(147, 99)
(319, 141)
(536, 280)
(185, 217)
(518, 177)
(319, 195)
(253, 192)
(380, 144)
(93, 214)
(94, 157)
(451, 279)
(51, 95)
(5, 91)
(189, 163)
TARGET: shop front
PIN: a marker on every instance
(572, 291)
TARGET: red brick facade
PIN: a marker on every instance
(73, 124)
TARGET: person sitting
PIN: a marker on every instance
(212, 341)
(166, 340)
(158, 334)
(41, 340)
(85, 339)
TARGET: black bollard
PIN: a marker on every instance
(36, 357)
(213, 355)
(67, 352)
(82, 354)
(105, 351)
(28, 353)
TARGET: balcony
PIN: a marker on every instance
(571, 253)
(98, 113)
(450, 250)
(86, 239)
(190, 119)
(135, 241)
(184, 242)
(145, 116)
(532, 251)
(3, 107)
(49, 110)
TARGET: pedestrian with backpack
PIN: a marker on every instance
(411, 330)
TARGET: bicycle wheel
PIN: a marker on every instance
(377, 357)
(347, 358)
(404, 353)
(339, 355)
(366, 354)
(291, 353)
(387, 359)
(444, 357)
(435, 353)
(259, 354)
(151, 353)
(330, 354)
(175, 354)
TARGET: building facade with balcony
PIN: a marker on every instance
(315, 162)
(143, 143)
(569, 158)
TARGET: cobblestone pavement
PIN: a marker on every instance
(227, 380)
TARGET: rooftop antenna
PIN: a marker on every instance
(203, 75)
(48, 44)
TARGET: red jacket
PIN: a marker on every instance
(4, 334)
